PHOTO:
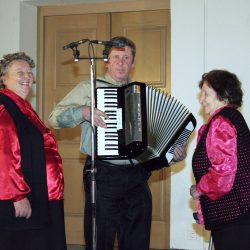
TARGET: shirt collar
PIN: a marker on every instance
(108, 78)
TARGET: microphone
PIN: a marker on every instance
(109, 43)
(74, 44)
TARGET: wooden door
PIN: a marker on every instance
(151, 32)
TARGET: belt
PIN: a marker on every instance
(122, 162)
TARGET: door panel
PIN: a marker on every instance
(150, 30)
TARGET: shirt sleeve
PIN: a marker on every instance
(68, 112)
(12, 183)
(221, 145)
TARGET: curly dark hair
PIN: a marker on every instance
(7, 61)
(226, 85)
(123, 40)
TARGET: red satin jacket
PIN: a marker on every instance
(12, 184)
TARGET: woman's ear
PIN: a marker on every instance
(2, 79)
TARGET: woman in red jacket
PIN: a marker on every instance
(31, 174)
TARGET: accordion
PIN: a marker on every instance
(144, 123)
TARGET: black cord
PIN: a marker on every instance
(131, 163)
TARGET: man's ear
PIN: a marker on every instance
(133, 64)
(106, 64)
(134, 61)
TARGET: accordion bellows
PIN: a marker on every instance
(169, 123)
(145, 123)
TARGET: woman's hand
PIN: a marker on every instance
(194, 193)
(23, 208)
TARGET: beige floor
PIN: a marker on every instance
(78, 247)
(75, 247)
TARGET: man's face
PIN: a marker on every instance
(120, 63)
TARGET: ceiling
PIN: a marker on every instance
(63, 2)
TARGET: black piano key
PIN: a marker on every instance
(111, 136)
(111, 125)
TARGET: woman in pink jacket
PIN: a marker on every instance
(221, 163)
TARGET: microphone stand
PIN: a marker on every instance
(92, 170)
(210, 246)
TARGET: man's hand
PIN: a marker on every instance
(99, 116)
(180, 152)
(23, 208)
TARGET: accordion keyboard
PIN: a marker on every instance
(107, 138)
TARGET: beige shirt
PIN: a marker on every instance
(68, 112)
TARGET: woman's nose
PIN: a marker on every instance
(28, 75)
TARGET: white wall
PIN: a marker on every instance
(28, 39)
(9, 26)
(187, 65)
(228, 41)
(206, 34)
(19, 31)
